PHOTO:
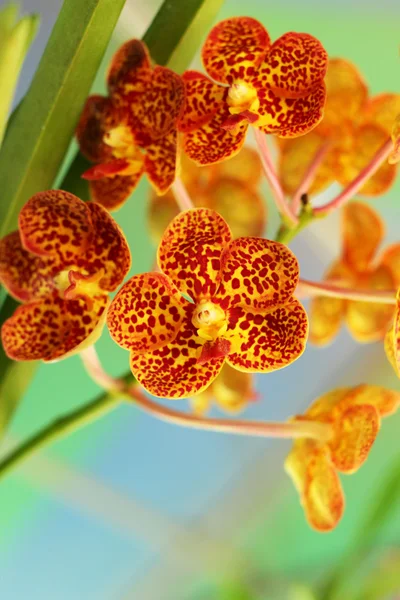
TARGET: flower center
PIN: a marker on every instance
(210, 320)
(122, 141)
(72, 284)
(241, 97)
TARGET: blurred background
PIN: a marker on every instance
(133, 508)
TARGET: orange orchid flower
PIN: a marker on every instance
(392, 338)
(133, 130)
(61, 264)
(359, 268)
(231, 391)
(229, 188)
(215, 301)
(279, 88)
(395, 155)
(353, 129)
(354, 415)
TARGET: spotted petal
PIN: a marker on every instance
(294, 65)
(203, 98)
(147, 313)
(108, 252)
(267, 340)
(26, 276)
(355, 432)
(174, 371)
(113, 192)
(53, 328)
(211, 143)
(290, 117)
(392, 340)
(257, 273)
(160, 162)
(234, 49)
(99, 116)
(362, 231)
(385, 401)
(190, 251)
(318, 484)
(130, 70)
(56, 223)
(368, 321)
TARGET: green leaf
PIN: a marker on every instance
(173, 38)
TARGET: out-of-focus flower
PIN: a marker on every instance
(359, 268)
(61, 264)
(353, 129)
(240, 310)
(279, 88)
(355, 417)
(229, 188)
(395, 155)
(392, 338)
(231, 391)
(132, 131)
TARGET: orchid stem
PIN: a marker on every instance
(381, 155)
(309, 177)
(182, 197)
(270, 173)
(312, 289)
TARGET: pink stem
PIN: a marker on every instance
(359, 181)
(309, 176)
(182, 197)
(270, 174)
(310, 288)
(290, 429)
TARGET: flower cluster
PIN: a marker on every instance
(358, 267)
(215, 300)
(353, 417)
(278, 88)
(132, 131)
(353, 129)
(230, 188)
(61, 264)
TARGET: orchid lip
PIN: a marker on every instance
(210, 320)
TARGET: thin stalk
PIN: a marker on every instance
(182, 197)
(381, 155)
(269, 170)
(309, 177)
(311, 288)
(289, 429)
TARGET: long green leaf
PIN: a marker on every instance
(173, 38)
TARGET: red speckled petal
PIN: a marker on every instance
(295, 64)
(385, 401)
(257, 273)
(355, 432)
(56, 223)
(147, 313)
(173, 371)
(98, 116)
(190, 251)
(53, 328)
(363, 231)
(203, 100)
(160, 162)
(26, 276)
(290, 117)
(268, 340)
(160, 107)
(108, 252)
(130, 70)
(234, 49)
(113, 192)
(211, 143)
(311, 469)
